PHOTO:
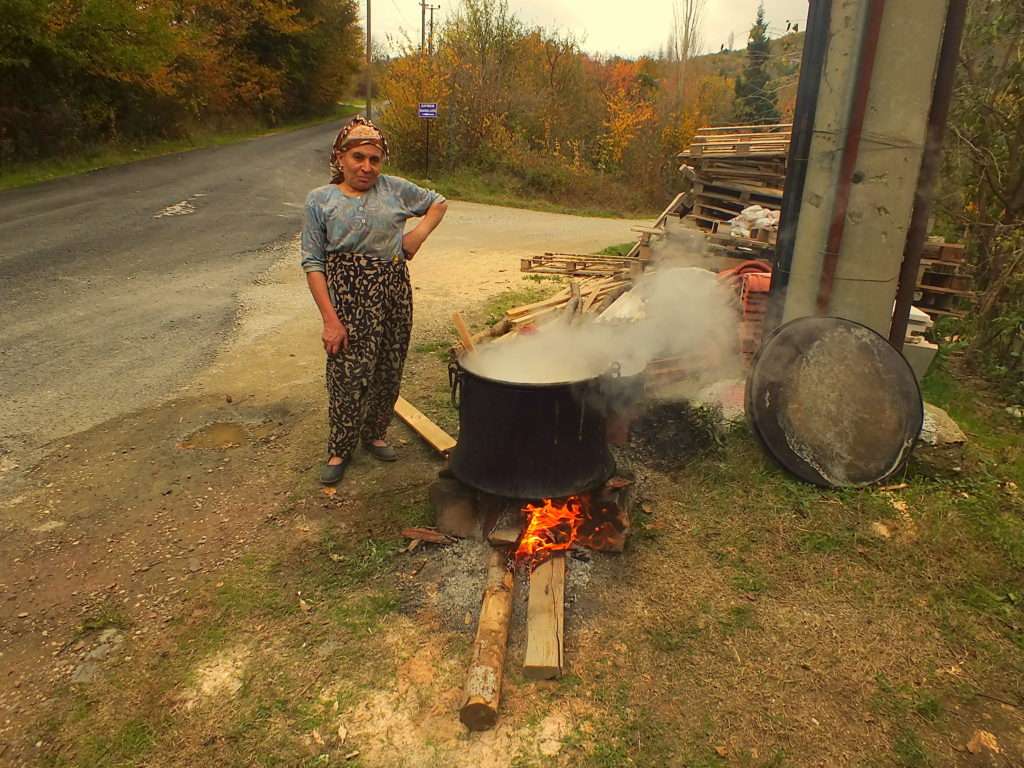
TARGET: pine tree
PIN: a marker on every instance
(755, 103)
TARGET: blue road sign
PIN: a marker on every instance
(427, 110)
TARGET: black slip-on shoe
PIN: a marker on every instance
(332, 473)
(381, 452)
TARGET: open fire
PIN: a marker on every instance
(556, 525)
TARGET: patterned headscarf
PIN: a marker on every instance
(356, 133)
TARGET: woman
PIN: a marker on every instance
(354, 253)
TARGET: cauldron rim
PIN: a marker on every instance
(531, 384)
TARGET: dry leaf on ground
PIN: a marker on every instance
(983, 740)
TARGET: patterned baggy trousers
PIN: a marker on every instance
(373, 299)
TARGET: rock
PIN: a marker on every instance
(109, 641)
(939, 429)
(455, 509)
(941, 444)
(85, 673)
(1016, 411)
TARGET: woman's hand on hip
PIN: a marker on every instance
(335, 337)
(411, 243)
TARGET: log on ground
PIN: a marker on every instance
(482, 695)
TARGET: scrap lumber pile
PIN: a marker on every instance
(579, 265)
(731, 168)
(592, 295)
(944, 284)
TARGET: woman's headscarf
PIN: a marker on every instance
(356, 133)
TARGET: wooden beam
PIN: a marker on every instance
(545, 619)
(482, 693)
(439, 440)
(463, 330)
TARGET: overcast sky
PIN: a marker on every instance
(627, 29)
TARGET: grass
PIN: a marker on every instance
(107, 615)
(107, 156)
(621, 249)
(751, 614)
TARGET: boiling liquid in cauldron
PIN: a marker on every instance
(551, 356)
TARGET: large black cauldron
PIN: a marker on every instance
(529, 441)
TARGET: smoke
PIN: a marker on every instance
(681, 317)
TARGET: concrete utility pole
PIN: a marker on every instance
(870, 132)
(369, 62)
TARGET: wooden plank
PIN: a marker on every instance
(479, 710)
(545, 620)
(525, 309)
(768, 127)
(949, 291)
(439, 440)
(463, 330)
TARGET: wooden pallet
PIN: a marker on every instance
(579, 265)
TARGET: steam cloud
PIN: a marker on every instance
(673, 311)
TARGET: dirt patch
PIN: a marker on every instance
(218, 678)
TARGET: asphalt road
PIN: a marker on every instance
(116, 286)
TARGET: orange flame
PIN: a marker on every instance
(553, 526)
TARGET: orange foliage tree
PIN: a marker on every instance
(530, 103)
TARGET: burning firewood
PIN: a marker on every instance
(479, 709)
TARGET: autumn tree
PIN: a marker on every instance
(75, 73)
(755, 100)
(982, 194)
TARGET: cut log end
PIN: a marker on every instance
(479, 715)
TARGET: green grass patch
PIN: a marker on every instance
(909, 751)
(495, 307)
(826, 542)
(439, 348)
(107, 156)
(673, 637)
(737, 618)
(108, 615)
(621, 249)
(125, 745)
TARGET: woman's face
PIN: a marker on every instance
(361, 166)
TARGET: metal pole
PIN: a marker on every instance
(423, 25)
(816, 37)
(369, 62)
(430, 37)
(918, 229)
(428, 148)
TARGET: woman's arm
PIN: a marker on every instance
(335, 335)
(314, 261)
(416, 236)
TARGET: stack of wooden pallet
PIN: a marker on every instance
(732, 167)
(579, 265)
(944, 286)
